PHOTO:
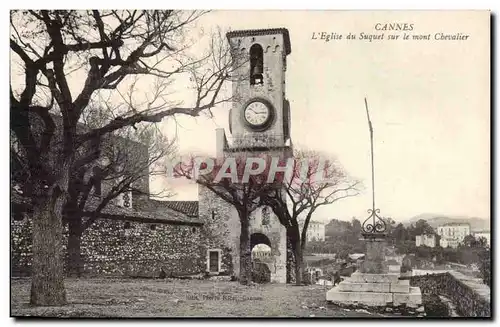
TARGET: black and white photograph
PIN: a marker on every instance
(250, 164)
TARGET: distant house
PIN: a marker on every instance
(486, 234)
(315, 230)
(426, 240)
(452, 234)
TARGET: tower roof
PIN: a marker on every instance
(266, 31)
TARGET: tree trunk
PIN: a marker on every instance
(47, 283)
(245, 252)
(293, 234)
(299, 263)
(74, 262)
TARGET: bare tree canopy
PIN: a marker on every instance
(315, 182)
(65, 62)
(248, 180)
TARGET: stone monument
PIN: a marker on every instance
(373, 285)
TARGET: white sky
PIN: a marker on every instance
(429, 102)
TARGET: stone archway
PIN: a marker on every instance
(259, 238)
(262, 258)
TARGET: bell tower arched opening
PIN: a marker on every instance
(256, 64)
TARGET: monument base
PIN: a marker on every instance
(373, 286)
(375, 290)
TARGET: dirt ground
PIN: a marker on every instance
(104, 297)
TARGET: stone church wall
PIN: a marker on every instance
(221, 228)
(109, 248)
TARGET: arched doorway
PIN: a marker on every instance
(261, 258)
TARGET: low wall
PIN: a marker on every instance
(109, 247)
(470, 295)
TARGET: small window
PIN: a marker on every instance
(127, 199)
(193, 230)
(213, 214)
(152, 227)
(98, 188)
(97, 172)
(265, 216)
(213, 261)
(126, 225)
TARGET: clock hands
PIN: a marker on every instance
(257, 113)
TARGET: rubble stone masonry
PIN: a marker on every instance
(124, 248)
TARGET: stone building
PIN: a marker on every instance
(425, 240)
(259, 123)
(483, 233)
(315, 230)
(452, 234)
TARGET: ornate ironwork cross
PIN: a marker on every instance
(374, 225)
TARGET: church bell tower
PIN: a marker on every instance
(260, 113)
(259, 123)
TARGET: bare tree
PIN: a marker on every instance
(315, 182)
(68, 58)
(128, 159)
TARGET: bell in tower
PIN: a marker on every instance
(256, 65)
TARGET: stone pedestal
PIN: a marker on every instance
(374, 256)
(375, 290)
(373, 285)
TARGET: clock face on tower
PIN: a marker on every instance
(258, 114)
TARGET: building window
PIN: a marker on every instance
(124, 200)
(256, 65)
(126, 225)
(214, 260)
(213, 214)
(193, 230)
(127, 200)
(97, 175)
(98, 188)
(265, 216)
(152, 227)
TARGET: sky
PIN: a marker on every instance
(429, 103)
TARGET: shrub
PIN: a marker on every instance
(406, 265)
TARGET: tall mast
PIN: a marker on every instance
(370, 126)
(374, 225)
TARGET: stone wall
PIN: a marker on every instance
(470, 295)
(126, 248)
(221, 228)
